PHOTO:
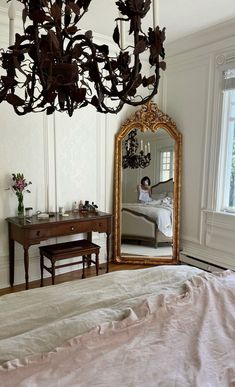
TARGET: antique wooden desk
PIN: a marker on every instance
(28, 234)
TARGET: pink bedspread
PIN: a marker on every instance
(168, 341)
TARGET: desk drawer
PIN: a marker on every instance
(70, 228)
(100, 225)
(67, 228)
(39, 234)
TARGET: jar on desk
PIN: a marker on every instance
(28, 212)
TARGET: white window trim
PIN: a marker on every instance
(223, 183)
(215, 139)
(163, 150)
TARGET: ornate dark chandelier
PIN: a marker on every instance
(54, 66)
(132, 159)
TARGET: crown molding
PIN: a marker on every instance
(204, 37)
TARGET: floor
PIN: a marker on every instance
(163, 251)
(73, 275)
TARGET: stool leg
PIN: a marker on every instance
(83, 266)
(53, 272)
(97, 263)
(41, 266)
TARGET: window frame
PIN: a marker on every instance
(225, 150)
(171, 164)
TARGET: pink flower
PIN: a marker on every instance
(20, 183)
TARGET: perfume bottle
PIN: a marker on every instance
(74, 207)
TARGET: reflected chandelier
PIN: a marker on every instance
(132, 159)
(54, 66)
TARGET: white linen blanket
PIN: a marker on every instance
(159, 213)
(39, 320)
(167, 341)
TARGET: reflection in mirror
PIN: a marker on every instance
(147, 186)
(147, 194)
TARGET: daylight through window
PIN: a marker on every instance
(166, 164)
(228, 142)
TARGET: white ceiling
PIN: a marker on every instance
(180, 17)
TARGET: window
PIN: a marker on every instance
(228, 143)
(166, 164)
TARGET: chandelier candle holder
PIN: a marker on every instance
(55, 66)
(132, 159)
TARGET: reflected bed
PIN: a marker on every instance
(168, 326)
(150, 222)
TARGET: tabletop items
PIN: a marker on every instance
(86, 207)
(83, 208)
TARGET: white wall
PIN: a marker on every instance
(190, 97)
(67, 159)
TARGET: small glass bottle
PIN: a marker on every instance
(74, 207)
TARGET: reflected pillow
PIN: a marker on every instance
(158, 196)
(167, 200)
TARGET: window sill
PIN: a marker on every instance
(219, 213)
(220, 219)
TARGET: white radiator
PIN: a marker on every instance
(200, 263)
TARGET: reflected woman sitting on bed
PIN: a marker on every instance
(144, 190)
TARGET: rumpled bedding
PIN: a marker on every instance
(167, 340)
(161, 214)
(39, 320)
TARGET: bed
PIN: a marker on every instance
(163, 326)
(150, 222)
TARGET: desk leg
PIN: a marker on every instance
(11, 260)
(107, 250)
(89, 238)
(26, 267)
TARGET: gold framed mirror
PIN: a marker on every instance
(147, 188)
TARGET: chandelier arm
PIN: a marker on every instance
(99, 84)
(41, 75)
(128, 87)
(115, 110)
(59, 36)
(82, 14)
(29, 110)
(136, 66)
(114, 87)
(143, 100)
(132, 103)
(73, 40)
(33, 84)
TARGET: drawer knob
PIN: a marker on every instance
(38, 233)
(72, 228)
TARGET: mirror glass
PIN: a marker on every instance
(147, 187)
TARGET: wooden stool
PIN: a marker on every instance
(67, 250)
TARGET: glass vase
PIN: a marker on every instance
(20, 205)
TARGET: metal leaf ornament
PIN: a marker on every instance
(54, 66)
